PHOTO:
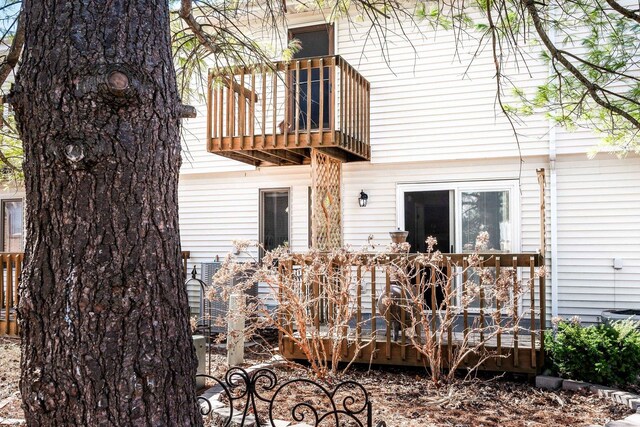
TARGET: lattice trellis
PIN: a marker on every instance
(326, 219)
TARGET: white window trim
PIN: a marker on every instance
(289, 191)
(467, 186)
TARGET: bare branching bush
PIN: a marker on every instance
(456, 314)
(455, 311)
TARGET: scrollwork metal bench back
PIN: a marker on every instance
(251, 395)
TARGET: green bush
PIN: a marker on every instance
(606, 354)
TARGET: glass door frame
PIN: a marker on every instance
(457, 188)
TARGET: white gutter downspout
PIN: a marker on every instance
(553, 202)
(553, 211)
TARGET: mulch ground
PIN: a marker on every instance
(9, 377)
(404, 398)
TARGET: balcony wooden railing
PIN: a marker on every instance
(10, 269)
(511, 333)
(274, 115)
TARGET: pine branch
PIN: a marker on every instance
(593, 89)
(627, 13)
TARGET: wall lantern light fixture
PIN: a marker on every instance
(363, 199)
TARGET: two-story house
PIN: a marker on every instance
(415, 129)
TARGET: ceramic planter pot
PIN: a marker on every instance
(398, 236)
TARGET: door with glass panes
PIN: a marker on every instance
(455, 214)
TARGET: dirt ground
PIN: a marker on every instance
(9, 377)
(405, 398)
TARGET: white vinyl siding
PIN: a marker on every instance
(434, 122)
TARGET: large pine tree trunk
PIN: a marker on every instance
(105, 328)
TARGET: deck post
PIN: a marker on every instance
(235, 330)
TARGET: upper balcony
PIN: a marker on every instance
(274, 115)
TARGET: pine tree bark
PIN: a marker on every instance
(104, 314)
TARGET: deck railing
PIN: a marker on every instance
(11, 267)
(510, 330)
(261, 113)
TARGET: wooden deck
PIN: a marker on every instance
(509, 336)
(274, 115)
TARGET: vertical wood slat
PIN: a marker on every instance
(281, 315)
(316, 303)
(374, 329)
(352, 104)
(210, 112)
(229, 127)
(290, 319)
(232, 100)
(308, 95)
(344, 302)
(242, 109)
(465, 307)
(420, 297)
(332, 96)
(341, 100)
(321, 112)
(252, 108)
(296, 117)
(263, 100)
(5, 283)
(499, 334)
(387, 314)
(10, 291)
(516, 355)
(543, 308)
(360, 108)
(481, 304)
(451, 284)
(532, 297)
(347, 103)
(274, 119)
(220, 116)
(2, 290)
(331, 297)
(18, 270)
(358, 308)
(434, 305)
(403, 322)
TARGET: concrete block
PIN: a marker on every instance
(601, 390)
(571, 385)
(235, 330)
(548, 382)
(277, 423)
(630, 421)
(249, 421)
(622, 397)
(634, 403)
